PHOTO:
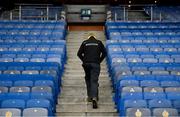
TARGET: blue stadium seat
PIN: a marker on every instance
(154, 93)
(173, 95)
(160, 103)
(26, 83)
(13, 103)
(170, 84)
(41, 103)
(149, 83)
(6, 83)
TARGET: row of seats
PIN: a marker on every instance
(144, 67)
(145, 38)
(15, 90)
(145, 32)
(7, 23)
(157, 112)
(34, 40)
(32, 29)
(32, 58)
(147, 95)
(141, 24)
(31, 103)
(27, 112)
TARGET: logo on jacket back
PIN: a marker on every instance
(91, 44)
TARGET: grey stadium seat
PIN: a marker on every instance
(21, 60)
(172, 89)
(11, 72)
(30, 72)
(160, 72)
(143, 72)
(134, 112)
(165, 112)
(37, 60)
(55, 59)
(12, 112)
(42, 89)
(134, 60)
(35, 112)
(20, 89)
(3, 89)
(153, 89)
(150, 60)
(49, 72)
(131, 89)
(6, 59)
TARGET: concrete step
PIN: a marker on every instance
(80, 71)
(80, 39)
(84, 96)
(80, 91)
(83, 100)
(77, 81)
(83, 85)
(77, 60)
(77, 65)
(82, 36)
(76, 75)
(85, 108)
(87, 114)
(82, 75)
(82, 78)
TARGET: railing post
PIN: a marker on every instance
(127, 17)
(42, 16)
(20, 12)
(11, 16)
(151, 13)
(47, 12)
(124, 13)
(56, 17)
(115, 16)
(160, 16)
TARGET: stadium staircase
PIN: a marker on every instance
(72, 101)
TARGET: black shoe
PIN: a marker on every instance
(94, 103)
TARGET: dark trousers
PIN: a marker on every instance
(92, 71)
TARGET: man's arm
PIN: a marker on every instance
(103, 51)
(81, 52)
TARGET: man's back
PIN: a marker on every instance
(92, 51)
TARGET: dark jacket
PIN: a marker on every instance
(92, 51)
